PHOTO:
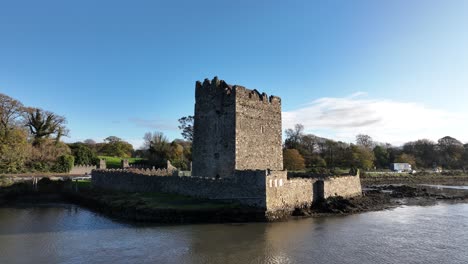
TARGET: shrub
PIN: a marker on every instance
(44, 157)
(14, 151)
(320, 171)
(180, 164)
(83, 154)
(64, 163)
(293, 160)
(40, 166)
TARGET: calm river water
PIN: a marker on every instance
(63, 233)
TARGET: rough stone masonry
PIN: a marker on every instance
(235, 129)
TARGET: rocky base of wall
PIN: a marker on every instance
(133, 213)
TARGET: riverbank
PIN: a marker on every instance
(429, 178)
(383, 197)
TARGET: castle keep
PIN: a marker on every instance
(237, 156)
(235, 129)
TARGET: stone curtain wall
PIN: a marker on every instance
(150, 172)
(247, 188)
(270, 190)
(81, 170)
(258, 131)
(345, 186)
(286, 195)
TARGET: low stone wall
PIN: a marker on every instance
(246, 188)
(270, 190)
(286, 195)
(82, 170)
(345, 186)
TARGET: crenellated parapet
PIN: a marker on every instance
(82, 169)
(255, 96)
(139, 171)
(220, 87)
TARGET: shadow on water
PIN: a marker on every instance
(64, 233)
(29, 218)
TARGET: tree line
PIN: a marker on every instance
(308, 152)
(30, 141)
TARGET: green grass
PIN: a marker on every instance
(115, 162)
(84, 184)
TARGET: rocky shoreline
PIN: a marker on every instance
(173, 209)
(445, 179)
(383, 197)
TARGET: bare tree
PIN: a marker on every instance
(155, 139)
(365, 141)
(294, 136)
(10, 111)
(186, 125)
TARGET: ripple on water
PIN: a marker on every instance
(61, 233)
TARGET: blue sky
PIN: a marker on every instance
(396, 70)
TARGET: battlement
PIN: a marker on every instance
(255, 95)
(217, 86)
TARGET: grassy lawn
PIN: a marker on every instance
(83, 184)
(114, 162)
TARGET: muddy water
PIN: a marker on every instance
(64, 233)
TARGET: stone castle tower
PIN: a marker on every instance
(235, 129)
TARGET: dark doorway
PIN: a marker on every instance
(319, 192)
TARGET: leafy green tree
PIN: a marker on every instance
(406, 158)
(382, 157)
(83, 154)
(424, 152)
(64, 164)
(14, 151)
(465, 157)
(115, 147)
(293, 160)
(330, 153)
(451, 151)
(112, 139)
(315, 161)
(45, 155)
(361, 157)
(159, 148)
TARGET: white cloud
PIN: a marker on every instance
(384, 120)
(137, 143)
